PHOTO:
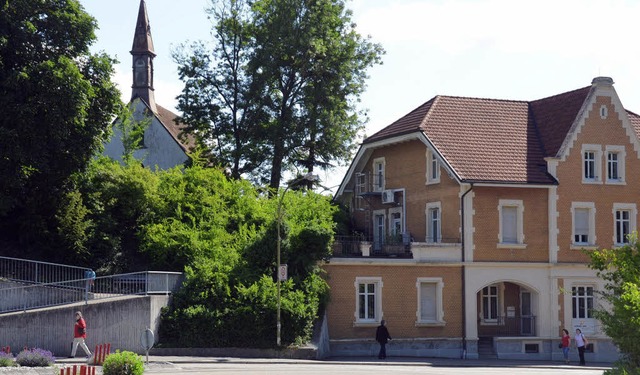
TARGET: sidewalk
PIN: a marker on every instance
(167, 361)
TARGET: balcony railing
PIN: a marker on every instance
(508, 326)
(357, 246)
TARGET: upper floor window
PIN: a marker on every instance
(433, 168)
(582, 302)
(368, 299)
(615, 164)
(591, 163)
(624, 220)
(583, 214)
(378, 174)
(361, 186)
(430, 308)
(511, 223)
(395, 223)
(433, 222)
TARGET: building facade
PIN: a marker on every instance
(470, 219)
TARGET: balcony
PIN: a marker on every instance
(359, 246)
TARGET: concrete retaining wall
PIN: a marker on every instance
(434, 348)
(119, 322)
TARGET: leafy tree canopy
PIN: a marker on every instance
(620, 268)
(57, 103)
(220, 232)
(280, 87)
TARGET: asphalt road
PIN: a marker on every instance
(351, 366)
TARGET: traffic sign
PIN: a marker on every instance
(282, 272)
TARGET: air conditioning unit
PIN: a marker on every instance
(388, 196)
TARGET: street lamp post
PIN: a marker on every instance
(307, 177)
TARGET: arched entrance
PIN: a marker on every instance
(506, 309)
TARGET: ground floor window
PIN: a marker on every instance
(368, 299)
(430, 310)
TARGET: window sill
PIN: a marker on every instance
(432, 182)
(616, 182)
(431, 324)
(592, 182)
(502, 245)
(366, 324)
(577, 246)
(489, 323)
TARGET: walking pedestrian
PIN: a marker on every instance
(79, 335)
(581, 343)
(566, 339)
(382, 337)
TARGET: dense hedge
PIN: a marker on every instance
(222, 233)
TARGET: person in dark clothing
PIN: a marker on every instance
(382, 337)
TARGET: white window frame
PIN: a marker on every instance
(439, 308)
(378, 174)
(379, 235)
(575, 310)
(519, 205)
(597, 163)
(499, 304)
(591, 207)
(633, 213)
(377, 281)
(393, 221)
(433, 168)
(429, 237)
(361, 185)
(621, 155)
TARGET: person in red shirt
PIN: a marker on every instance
(565, 345)
(79, 335)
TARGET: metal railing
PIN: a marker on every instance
(31, 271)
(22, 298)
(508, 326)
(351, 246)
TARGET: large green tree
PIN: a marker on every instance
(216, 103)
(280, 88)
(620, 268)
(57, 101)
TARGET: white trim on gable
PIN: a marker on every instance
(601, 86)
(365, 151)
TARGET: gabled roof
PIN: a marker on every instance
(491, 140)
(168, 120)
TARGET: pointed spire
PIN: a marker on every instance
(142, 62)
(142, 41)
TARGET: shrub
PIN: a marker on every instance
(35, 358)
(123, 363)
(6, 359)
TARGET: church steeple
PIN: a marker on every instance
(142, 62)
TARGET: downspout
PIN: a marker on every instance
(464, 294)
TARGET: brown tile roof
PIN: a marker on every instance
(167, 118)
(555, 115)
(635, 121)
(490, 140)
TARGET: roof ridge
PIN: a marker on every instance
(479, 98)
(561, 94)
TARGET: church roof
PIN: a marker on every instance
(168, 120)
(142, 41)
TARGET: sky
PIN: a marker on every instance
(500, 49)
